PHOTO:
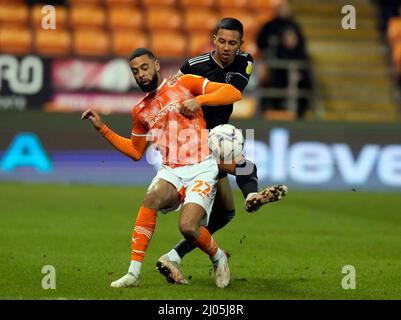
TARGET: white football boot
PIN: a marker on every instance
(171, 270)
(222, 271)
(270, 194)
(127, 281)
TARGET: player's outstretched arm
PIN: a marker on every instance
(133, 148)
(94, 117)
(219, 94)
(208, 94)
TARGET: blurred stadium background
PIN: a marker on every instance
(349, 139)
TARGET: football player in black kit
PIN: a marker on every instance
(225, 64)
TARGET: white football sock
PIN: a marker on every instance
(250, 195)
(173, 256)
(218, 255)
(135, 267)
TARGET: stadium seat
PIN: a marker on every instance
(167, 44)
(199, 20)
(87, 16)
(272, 4)
(232, 4)
(84, 2)
(195, 4)
(52, 42)
(158, 3)
(16, 13)
(279, 115)
(264, 4)
(15, 39)
(263, 17)
(91, 42)
(245, 108)
(125, 17)
(198, 43)
(163, 19)
(124, 42)
(37, 15)
(2, 2)
(114, 3)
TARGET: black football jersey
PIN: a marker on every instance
(237, 74)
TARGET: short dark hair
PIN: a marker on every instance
(231, 24)
(140, 52)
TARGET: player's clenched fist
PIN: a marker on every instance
(94, 117)
(189, 107)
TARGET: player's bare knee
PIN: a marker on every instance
(152, 201)
(189, 230)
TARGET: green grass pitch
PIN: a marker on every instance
(292, 249)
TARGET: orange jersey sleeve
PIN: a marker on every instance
(211, 93)
(133, 148)
(138, 129)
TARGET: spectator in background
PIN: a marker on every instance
(282, 39)
(387, 9)
(393, 35)
(270, 33)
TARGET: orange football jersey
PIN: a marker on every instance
(181, 140)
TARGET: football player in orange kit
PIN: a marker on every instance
(170, 116)
(226, 63)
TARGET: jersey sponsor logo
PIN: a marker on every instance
(229, 76)
(179, 145)
(173, 106)
(249, 68)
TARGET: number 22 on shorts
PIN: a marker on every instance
(203, 188)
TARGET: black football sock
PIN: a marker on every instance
(219, 219)
(247, 177)
(183, 247)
